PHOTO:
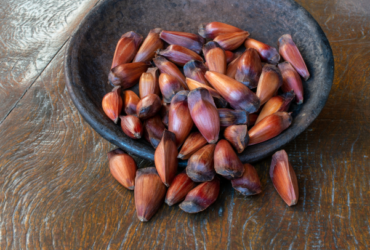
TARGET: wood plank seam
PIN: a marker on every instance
(38, 76)
(42, 70)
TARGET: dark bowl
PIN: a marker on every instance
(92, 46)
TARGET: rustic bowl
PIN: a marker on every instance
(92, 46)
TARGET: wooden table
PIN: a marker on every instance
(57, 192)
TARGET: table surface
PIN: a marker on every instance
(57, 192)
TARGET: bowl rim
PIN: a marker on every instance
(74, 92)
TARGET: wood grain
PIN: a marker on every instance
(57, 193)
(31, 34)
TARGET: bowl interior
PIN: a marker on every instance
(91, 49)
